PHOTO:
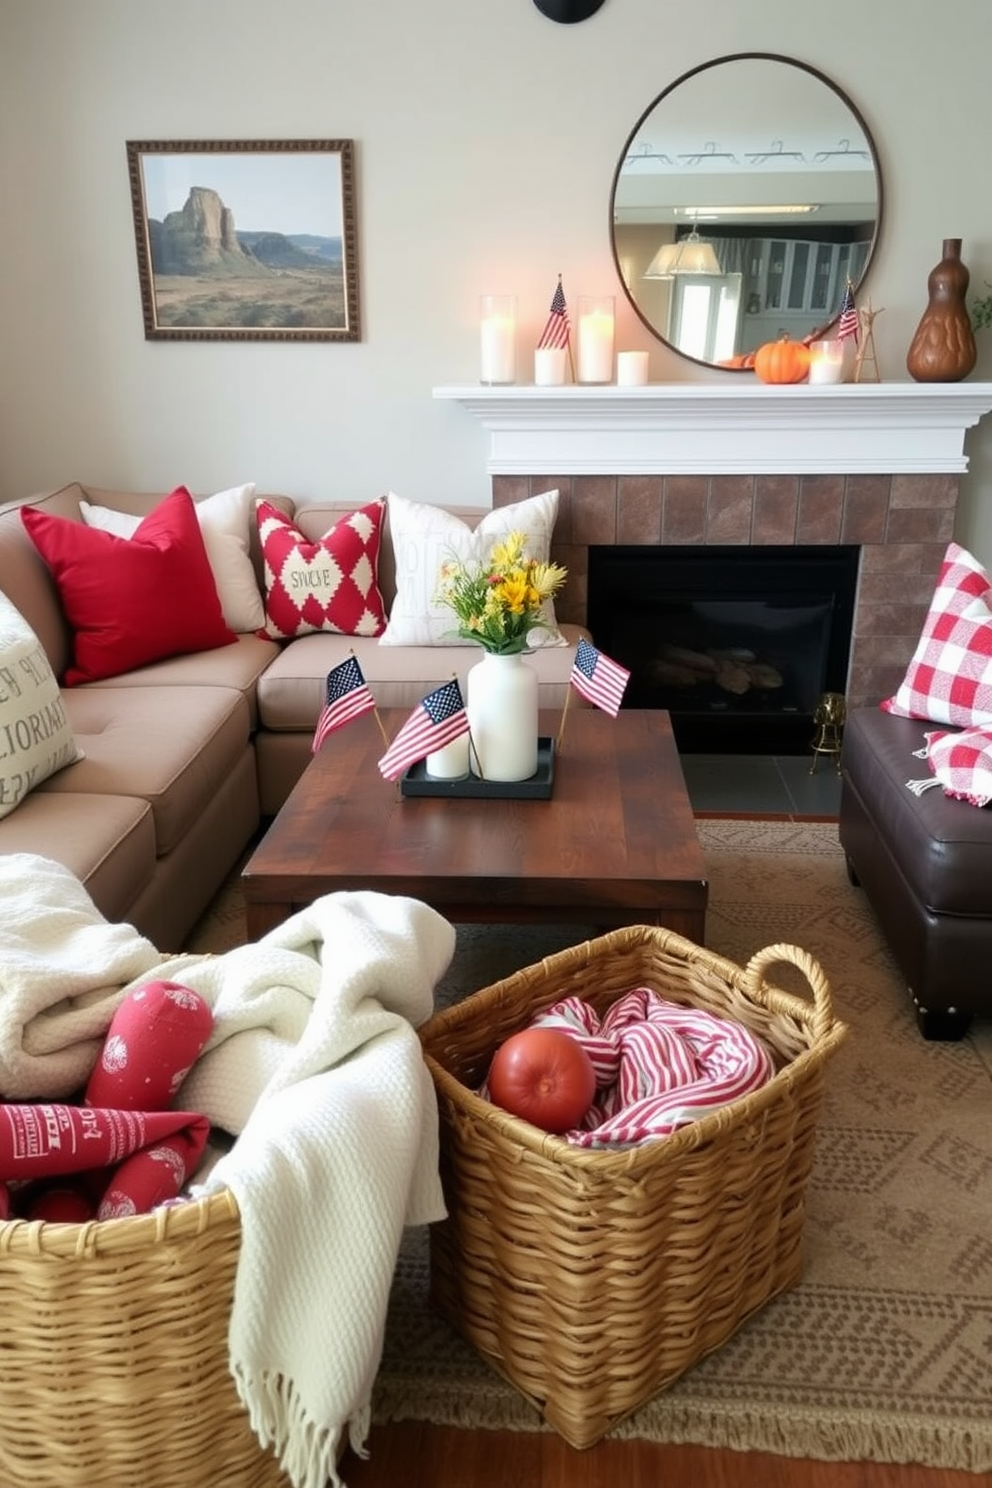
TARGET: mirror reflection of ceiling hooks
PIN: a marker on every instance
(843, 148)
(644, 151)
(761, 157)
(708, 152)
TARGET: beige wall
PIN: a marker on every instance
(486, 140)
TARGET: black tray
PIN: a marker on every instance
(417, 782)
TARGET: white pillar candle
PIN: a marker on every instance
(595, 338)
(449, 763)
(549, 366)
(826, 361)
(632, 368)
(498, 338)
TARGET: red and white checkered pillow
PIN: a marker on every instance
(963, 763)
(949, 679)
(328, 584)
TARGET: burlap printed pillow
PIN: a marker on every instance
(949, 679)
(33, 724)
(327, 584)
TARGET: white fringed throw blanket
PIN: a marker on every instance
(315, 1064)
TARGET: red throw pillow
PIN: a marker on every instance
(154, 1037)
(949, 679)
(329, 584)
(131, 601)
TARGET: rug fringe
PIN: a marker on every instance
(823, 1435)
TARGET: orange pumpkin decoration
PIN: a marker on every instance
(782, 361)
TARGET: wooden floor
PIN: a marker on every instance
(419, 1456)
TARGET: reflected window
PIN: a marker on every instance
(705, 313)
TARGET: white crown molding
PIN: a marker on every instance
(718, 429)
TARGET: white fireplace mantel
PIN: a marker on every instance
(718, 429)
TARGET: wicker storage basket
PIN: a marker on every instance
(593, 1279)
(114, 1356)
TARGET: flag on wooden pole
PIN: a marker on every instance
(847, 325)
(556, 331)
(598, 679)
(438, 719)
(347, 696)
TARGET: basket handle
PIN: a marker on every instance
(823, 1015)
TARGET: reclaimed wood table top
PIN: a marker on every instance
(614, 844)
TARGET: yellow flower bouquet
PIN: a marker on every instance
(498, 603)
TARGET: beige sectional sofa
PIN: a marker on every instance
(184, 759)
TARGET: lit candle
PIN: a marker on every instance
(549, 366)
(595, 328)
(632, 368)
(498, 333)
(826, 361)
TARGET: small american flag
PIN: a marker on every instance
(556, 330)
(847, 325)
(598, 679)
(347, 697)
(434, 722)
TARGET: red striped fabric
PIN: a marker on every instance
(658, 1065)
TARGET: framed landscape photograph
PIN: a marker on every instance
(247, 240)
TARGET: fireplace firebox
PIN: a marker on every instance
(738, 643)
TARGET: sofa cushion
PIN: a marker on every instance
(237, 666)
(943, 847)
(130, 601)
(328, 583)
(949, 679)
(225, 521)
(291, 691)
(169, 746)
(36, 738)
(108, 842)
(424, 537)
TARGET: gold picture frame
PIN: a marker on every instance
(246, 240)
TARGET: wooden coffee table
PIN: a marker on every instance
(615, 844)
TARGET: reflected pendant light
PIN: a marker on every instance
(691, 255)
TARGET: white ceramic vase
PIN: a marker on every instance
(502, 713)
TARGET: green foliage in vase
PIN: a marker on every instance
(981, 311)
(498, 603)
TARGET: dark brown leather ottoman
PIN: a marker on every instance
(925, 863)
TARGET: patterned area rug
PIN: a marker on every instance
(883, 1350)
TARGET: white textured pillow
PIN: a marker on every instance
(225, 522)
(426, 536)
(37, 739)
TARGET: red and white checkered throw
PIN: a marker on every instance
(961, 763)
(658, 1065)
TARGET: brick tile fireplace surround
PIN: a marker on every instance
(902, 523)
(873, 465)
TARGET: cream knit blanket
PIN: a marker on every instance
(315, 1065)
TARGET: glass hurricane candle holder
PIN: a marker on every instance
(498, 339)
(595, 329)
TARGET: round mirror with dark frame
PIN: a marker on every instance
(747, 196)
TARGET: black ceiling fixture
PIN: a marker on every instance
(568, 11)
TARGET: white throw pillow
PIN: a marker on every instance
(426, 536)
(35, 733)
(225, 524)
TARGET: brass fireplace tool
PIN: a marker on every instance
(829, 716)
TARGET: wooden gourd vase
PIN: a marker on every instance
(943, 348)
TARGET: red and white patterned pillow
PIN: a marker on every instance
(963, 763)
(327, 584)
(949, 679)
